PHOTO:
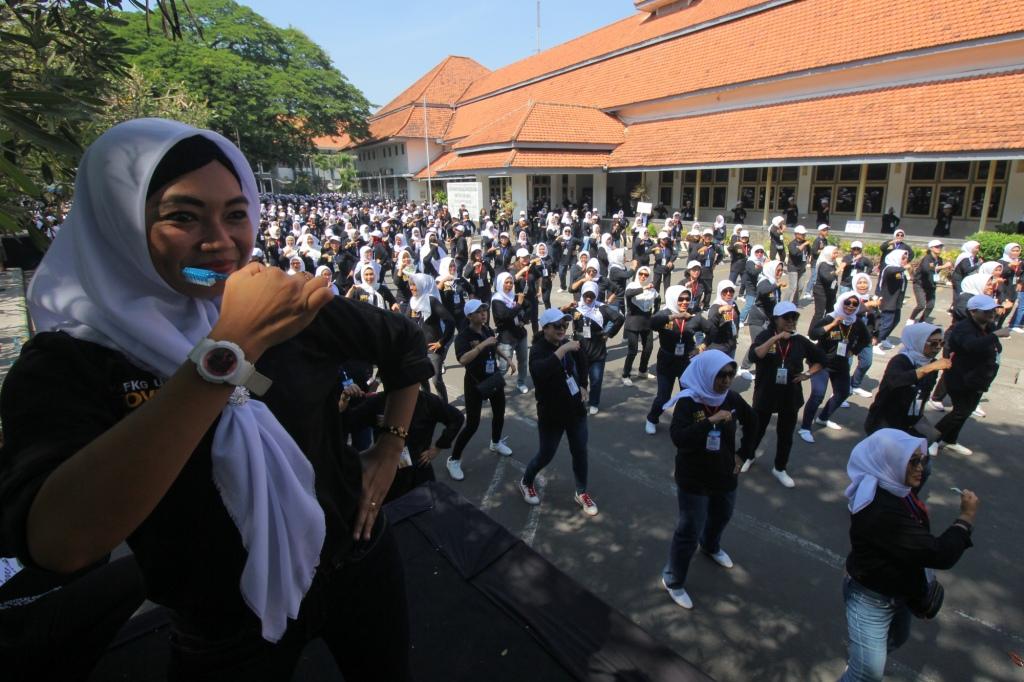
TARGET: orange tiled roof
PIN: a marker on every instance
(451, 163)
(443, 84)
(437, 122)
(342, 141)
(843, 32)
(548, 122)
(882, 122)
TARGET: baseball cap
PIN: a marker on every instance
(981, 302)
(856, 245)
(473, 305)
(784, 307)
(522, 253)
(800, 229)
(552, 315)
(934, 242)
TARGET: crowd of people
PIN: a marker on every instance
(350, 307)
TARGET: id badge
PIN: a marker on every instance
(479, 282)
(835, 283)
(915, 406)
(782, 376)
(680, 349)
(935, 277)
(714, 442)
(544, 272)
(457, 298)
(346, 383)
(489, 366)
(573, 388)
(998, 355)
(405, 458)
(586, 329)
(841, 349)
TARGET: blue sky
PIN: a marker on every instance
(383, 46)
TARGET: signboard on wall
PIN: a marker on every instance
(644, 207)
(468, 194)
(856, 226)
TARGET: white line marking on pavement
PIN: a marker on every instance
(496, 481)
(991, 626)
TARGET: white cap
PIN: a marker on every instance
(778, 220)
(981, 302)
(708, 230)
(799, 229)
(663, 235)
(693, 264)
(784, 307)
(522, 253)
(550, 316)
(856, 245)
(473, 305)
(934, 242)
(823, 226)
(744, 233)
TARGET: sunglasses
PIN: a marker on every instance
(918, 461)
(683, 299)
(641, 274)
(851, 303)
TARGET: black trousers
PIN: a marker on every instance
(662, 279)
(925, 299)
(359, 609)
(633, 340)
(474, 405)
(705, 299)
(63, 634)
(784, 428)
(964, 403)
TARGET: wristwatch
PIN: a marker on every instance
(223, 362)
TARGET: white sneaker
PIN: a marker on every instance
(933, 449)
(651, 376)
(909, 322)
(806, 435)
(1017, 330)
(745, 374)
(650, 428)
(936, 405)
(501, 448)
(958, 449)
(878, 350)
(524, 389)
(746, 466)
(783, 478)
(593, 410)
(978, 413)
(588, 504)
(454, 467)
(626, 381)
(862, 392)
(845, 403)
(885, 345)
(721, 558)
(679, 596)
(528, 492)
(828, 423)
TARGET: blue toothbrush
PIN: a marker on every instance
(203, 277)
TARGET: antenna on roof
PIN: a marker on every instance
(538, 26)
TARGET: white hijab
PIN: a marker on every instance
(880, 460)
(591, 311)
(974, 284)
(698, 381)
(722, 286)
(839, 313)
(509, 299)
(425, 290)
(1006, 253)
(264, 479)
(914, 338)
(965, 252)
(768, 272)
(320, 273)
(826, 255)
(672, 298)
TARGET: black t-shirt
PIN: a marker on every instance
(769, 395)
(855, 336)
(476, 370)
(900, 398)
(698, 470)
(188, 549)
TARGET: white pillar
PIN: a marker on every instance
(601, 192)
(803, 196)
(573, 197)
(556, 192)
(894, 189)
(1013, 205)
(519, 198)
(732, 192)
(652, 181)
(677, 192)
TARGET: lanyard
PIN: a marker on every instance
(784, 353)
(709, 411)
(681, 325)
(846, 336)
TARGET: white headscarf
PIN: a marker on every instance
(320, 273)
(989, 267)
(698, 380)
(376, 276)
(1006, 253)
(965, 251)
(672, 297)
(509, 299)
(894, 259)
(826, 255)
(764, 254)
(264, 480)
(839, 313)
(302, 265)
(425, 290)
(435, 262)
(591, 311)
(880, 460)
(768, 272)
(646, 298)
(722, 286)
(858, 277)
(444, 269)
(974, 284)
(914, 338)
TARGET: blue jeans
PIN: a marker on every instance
(522, 353)
(877, 625)
(887, 323)
(666, 384)
(864, 360)
(819, 383)
(1018, 315)
(751, 298)
(702, 517)
(596, 373)
(575, 428)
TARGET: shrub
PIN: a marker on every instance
(992, 243)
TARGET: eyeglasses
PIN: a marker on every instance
(728, 291)
(851, 303)
(918, 461)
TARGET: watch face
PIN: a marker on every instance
(220, 362)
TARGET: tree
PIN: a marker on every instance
(137, 96)
(271, 89)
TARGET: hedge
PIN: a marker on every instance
(992, 243)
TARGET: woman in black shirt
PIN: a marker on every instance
(926, 276)
(966, 263)
(206, 483)
(840, 336)
(510, 314)
(780, 354)
(405, 268)
(723, 318)
(675, 325)
(892, 287)
(479, 275)
(889, 570)
(707, 464)
(593, 324)
(642, 300)
(438, 325)
(826, 283)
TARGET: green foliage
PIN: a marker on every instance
(342, 166)
(441, 197)
(1004, 228)
(273, 90)
(992, 243)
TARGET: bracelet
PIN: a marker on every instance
(396, 431)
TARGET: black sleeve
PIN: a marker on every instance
(684, 430)
(502, 313)
(386, 294)
(438, 309)
(813, 353)
(901, 537)
(615, 318)
(659, 319)
(818, 330)
(351, 330)
(900, 372)
(748, 421)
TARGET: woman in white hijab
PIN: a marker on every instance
(211, 486)
(827, 273)
(642, 301)
(296, 266)
(892, 289)
(325, 272)
(707, 463)
(966, 263)
(889, 570)
(1013, 284)
(427, 310)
